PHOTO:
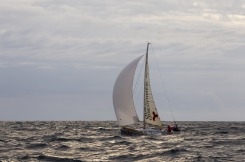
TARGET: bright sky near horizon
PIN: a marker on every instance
(59, 59)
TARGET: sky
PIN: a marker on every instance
(59, 59)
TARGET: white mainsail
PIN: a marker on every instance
(150, 112)
(123, 96)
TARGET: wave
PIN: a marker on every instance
(52, 158)
(102, 141)
(55, 138)
(63, 147)
(37, 146)
(110, 138)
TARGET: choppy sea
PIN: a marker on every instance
(68, 141)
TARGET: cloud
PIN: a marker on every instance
(49, 48)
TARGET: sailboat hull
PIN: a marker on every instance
(131, 132)
(139, 132)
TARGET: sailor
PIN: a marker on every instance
(169, 129)
(175, 128)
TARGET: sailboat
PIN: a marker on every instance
(124, 104)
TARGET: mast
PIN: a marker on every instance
(146, 62)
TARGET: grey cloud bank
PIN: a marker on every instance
(59, 59)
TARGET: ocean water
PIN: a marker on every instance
(101, 141)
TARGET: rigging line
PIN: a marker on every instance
(139, 94)
(141, 69)
(164, 87)
(136, 83)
